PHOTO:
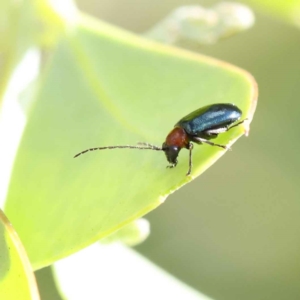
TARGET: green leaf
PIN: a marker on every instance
(288, 11)
(199, 25)
(16, 277)
(131, 234)
(104, 86)
(79, 275)
(18, 32)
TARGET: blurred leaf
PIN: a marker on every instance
(18, 32)
(194, 23)
(81, 275)
(131, 234)
(27, 24)
(104, 86)
(16, 277)
(287, 10)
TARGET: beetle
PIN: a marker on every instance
(200, 127)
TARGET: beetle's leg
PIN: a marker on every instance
(200, 140)
(191, 146)
(237, 124)
(215, 132)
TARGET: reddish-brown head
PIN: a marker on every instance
(175, 141)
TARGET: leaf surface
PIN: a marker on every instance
(105, 86)
(16, 276)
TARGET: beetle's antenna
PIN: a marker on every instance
(144, 146)
(149, 145)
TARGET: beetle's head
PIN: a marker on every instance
(171, 153)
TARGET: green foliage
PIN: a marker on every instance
(131, 234)
(16, 276)
(104, 86)
(287, 10)
(18, 32)
(126, 275)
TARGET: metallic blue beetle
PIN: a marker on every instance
(199, 126)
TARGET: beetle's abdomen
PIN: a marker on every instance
(210, 117)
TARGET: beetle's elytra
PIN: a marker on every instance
(199, 127)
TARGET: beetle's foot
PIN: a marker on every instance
(222, 146)
(171, 166)
(188, 173)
